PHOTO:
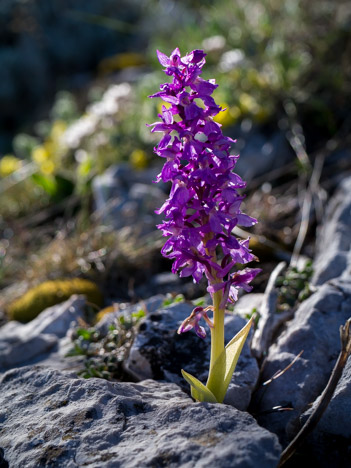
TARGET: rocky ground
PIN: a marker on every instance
(50, 416)
(95, 380)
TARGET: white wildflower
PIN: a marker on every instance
(213, 43)
(231, 59)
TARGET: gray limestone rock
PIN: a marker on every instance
(333, 257)
(315, 330)
(21, 344)
(247, 303)
(158, 352)
(330, 442)
(270, 321)
(260, 153)
(149, 306)
(3, 461)
(169, 283)
(54, 419)
(123, 197)
(336, 419)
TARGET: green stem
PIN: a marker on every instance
(217, 340)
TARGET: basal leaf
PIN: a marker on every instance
(198, 390)
(224, 367)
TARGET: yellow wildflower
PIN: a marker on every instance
(58, 129)
(247, 104)
(40, 154)
(47, 167)
(9, 164)
(138, 159)
(228, 116)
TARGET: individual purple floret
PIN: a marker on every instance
(193, 322)
(203, 207)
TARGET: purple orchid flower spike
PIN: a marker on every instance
(203, 206)
(193, 322)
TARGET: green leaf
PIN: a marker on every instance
(47, 183)
(224, 367)
(85, 334)
(179, 298)
(139, 315)
(173, 300)
(198, 390)
(201, 301)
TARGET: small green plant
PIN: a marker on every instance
(256, 316)
(172, 299)
(294, 286)
(105, 353)
(199, 302)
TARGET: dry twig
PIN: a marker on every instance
(281, 372)
(310, 424)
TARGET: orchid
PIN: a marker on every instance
(202, 209)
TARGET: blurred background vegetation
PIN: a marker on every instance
(74, 81)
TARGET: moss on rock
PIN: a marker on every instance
(50, 293)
